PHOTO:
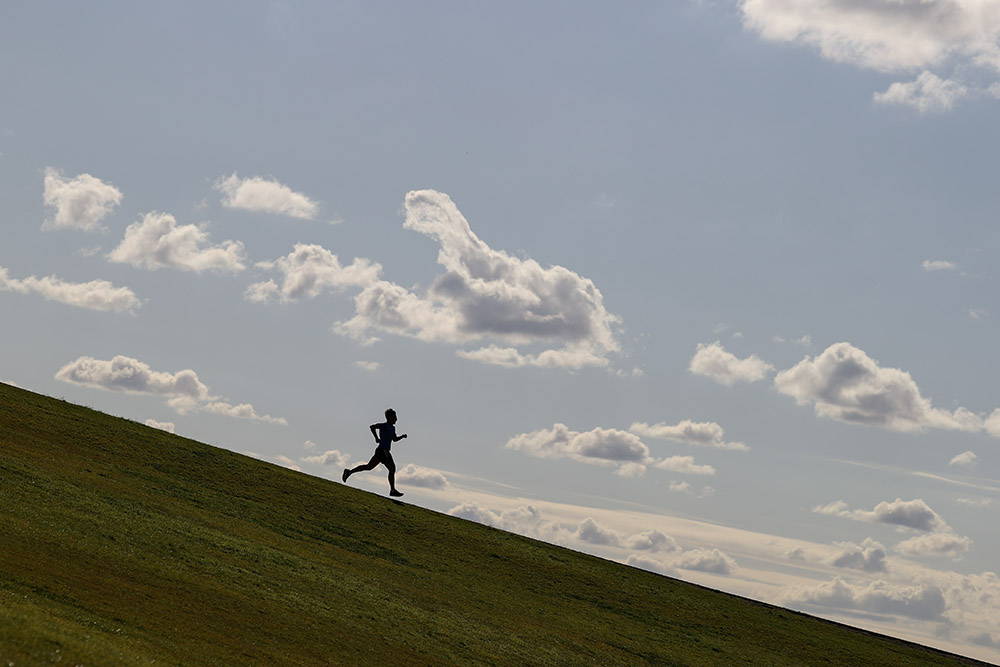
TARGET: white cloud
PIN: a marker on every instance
(158, 242)
(369, 366)
(895, 37)
(935, 544)
(992, 423)
(965, 459)
(98, 295)
(183, 390)
(703, 434)
(513, 306)
(685, 465)
(80, 203)
(725, 368)
(163, 426)
(914, 514)
(261, 195)
(309, 270)
(939, 265)
(925, 602)
(869, 556)
(927, 93)
(606, 447)
(846, 384)
(600, 446)
(412, 475)
(331, 457)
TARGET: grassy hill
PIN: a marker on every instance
(122, 544)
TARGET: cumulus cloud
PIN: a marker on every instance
(935, 544)
(163, 426)
(924, 602)
(267, 196)
(869, 556)
(927, 93)
(79, 203)
(914, 514)
(965, 459)
(369, 366)
(600, 446)
(308, 271)
(652, 540)
(606, 447)
(845, 384)
(726, 368)
(158, 242)
(703, 434)
(895, 37)
(592, 532)
(426, 478)
(705, 560)
(98, 295)
(685, 465)
(183, 390)
(510, 307)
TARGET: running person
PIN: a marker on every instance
(385, 435)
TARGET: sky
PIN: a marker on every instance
(706, 288)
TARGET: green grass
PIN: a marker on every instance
(122, 544)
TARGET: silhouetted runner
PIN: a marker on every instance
(385, 435)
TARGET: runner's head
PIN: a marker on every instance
(390, 416)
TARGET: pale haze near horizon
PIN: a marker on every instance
(706, 288)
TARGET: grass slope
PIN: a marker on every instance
(121, 544)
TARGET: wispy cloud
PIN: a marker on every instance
(267, 196)
(80, 203)
(98, 295)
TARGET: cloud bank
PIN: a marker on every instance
(79, 203)
(98, 295)
(603, 447)
(183, 390)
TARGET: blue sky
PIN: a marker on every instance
(703, 287)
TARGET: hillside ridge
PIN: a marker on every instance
(124, 544)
